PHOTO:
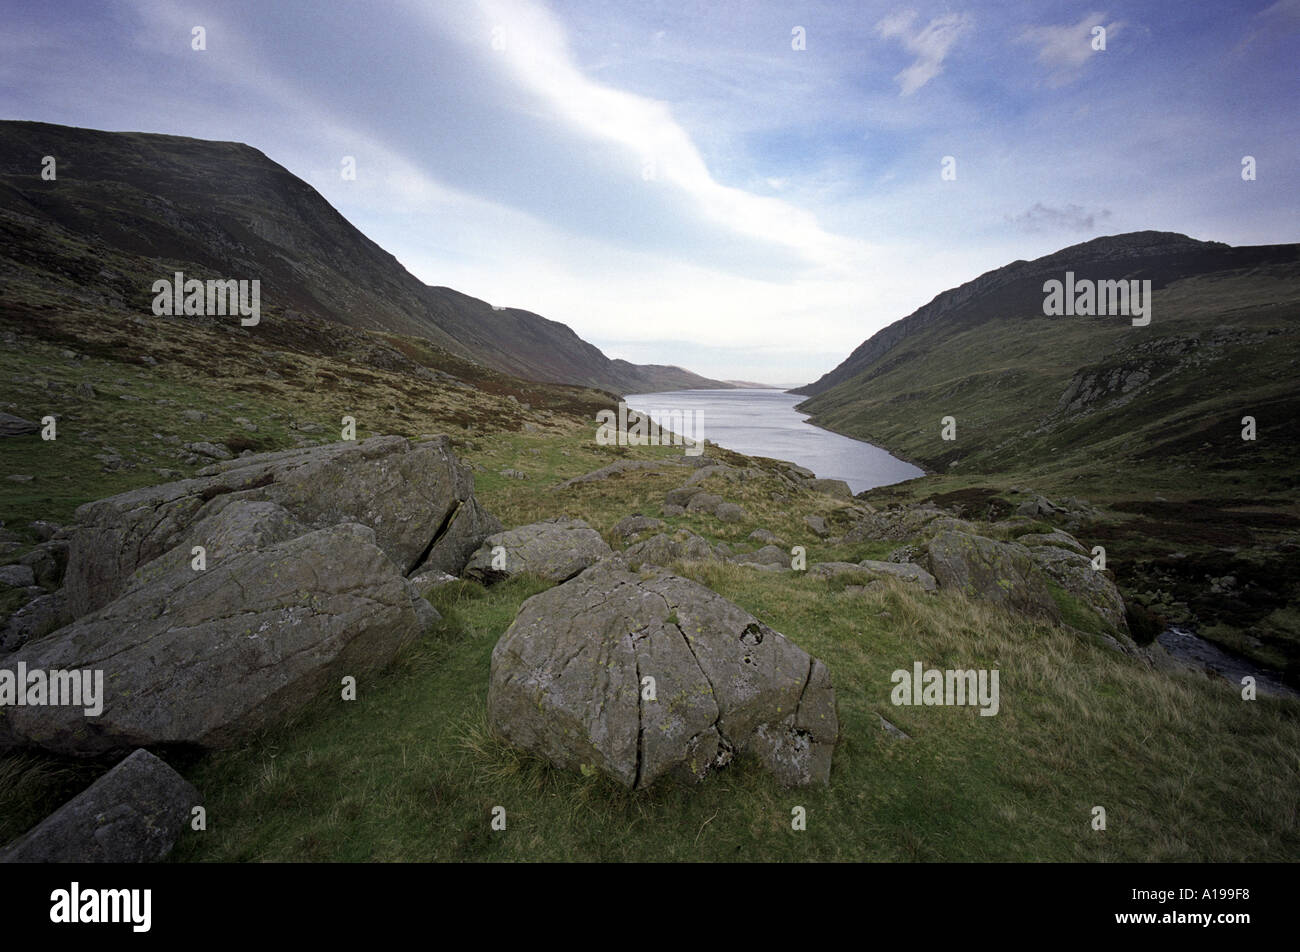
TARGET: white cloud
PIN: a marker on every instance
(538, 56)
(929, 44)
(1067, 47)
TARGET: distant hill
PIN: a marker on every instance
(157, 204)
(1201, 526)
(1028, 389)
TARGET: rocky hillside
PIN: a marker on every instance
(1028, 390)
(128, 208)
(1146, 420)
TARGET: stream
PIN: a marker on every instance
(1193, 650)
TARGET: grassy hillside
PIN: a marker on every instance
(1184, 768)
(126, 209)
(1144, 421)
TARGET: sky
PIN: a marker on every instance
(746, 189)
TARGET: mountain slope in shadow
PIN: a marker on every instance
(225, 210)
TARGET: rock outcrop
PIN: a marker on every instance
(1004, 573)
(1073, 571)
(417, 498)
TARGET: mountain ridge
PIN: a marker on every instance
(152, 196)
(1176, 252)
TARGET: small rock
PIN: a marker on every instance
(43, 530)
(210, 450)
(730, 512)
(132, 814)
(818, 525)
(631, 526)
(11, 425)
(703, 502)
(18, 576)
(832, 487)
(893, 731)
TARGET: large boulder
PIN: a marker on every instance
(1001, 572)
(132, 814)
(556, 549)
(1056, 538)
(829, 570)
(614, 469)
(768, 555)
(1073, 571)
(681, 495)
(418, 499)
(1035, 507)
(208, 657)
(704, 502)
(730, 512)
(17, 576)
(48, 561)
(568, 683)
(818, 525)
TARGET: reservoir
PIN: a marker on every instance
(765, 423)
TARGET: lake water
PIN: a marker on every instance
(765, 423)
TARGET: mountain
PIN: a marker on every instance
(1026, 388)
(1199, 517)
(155, 204)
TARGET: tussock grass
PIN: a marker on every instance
(410, 771)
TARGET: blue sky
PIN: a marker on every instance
(674, 180)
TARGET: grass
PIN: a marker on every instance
(1220, 347)
(409, 770)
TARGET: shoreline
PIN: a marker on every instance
(885, 449)
(825, 429)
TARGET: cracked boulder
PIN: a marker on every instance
(206, 658)
(416, 497)
(556, 549)
(571, 682)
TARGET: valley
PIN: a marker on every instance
(1071, 433)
